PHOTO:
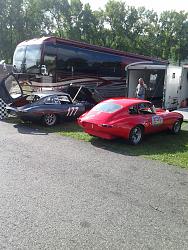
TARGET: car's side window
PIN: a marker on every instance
(145, 108)
(36, 98)
(51, 100)
(133, 110)
(64, 99)
(32, 98)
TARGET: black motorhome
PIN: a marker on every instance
(60, 62)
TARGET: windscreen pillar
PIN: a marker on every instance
(3, 110)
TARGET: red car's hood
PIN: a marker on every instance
(161, 111)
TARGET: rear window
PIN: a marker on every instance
(108, 107)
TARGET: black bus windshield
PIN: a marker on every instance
(27, 59)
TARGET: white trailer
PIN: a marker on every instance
(183, 88)
(167, 85)
(183, 93)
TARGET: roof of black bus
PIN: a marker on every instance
(56, 40)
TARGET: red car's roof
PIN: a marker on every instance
(126, 101)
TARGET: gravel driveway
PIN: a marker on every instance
(60, 193)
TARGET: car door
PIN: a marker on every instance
(71, 109)
(63, 106)
(51, 104)
(10, 89)
(152, 121)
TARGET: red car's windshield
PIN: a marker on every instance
(107, 107)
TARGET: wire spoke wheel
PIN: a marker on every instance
(50, 119)
(135, 135)
(176, 127)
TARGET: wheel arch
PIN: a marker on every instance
(175, 120)
(128, 131)
(141, 126)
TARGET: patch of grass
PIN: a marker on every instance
(164, 147)
(70, 129)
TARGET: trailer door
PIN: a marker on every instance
(172, 87)
(183, 88)
(154, 78)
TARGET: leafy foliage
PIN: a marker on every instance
(118, 26)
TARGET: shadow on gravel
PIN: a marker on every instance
(36, 128)
(28, 129)
(164, 146)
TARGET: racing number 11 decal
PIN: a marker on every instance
(72, 111)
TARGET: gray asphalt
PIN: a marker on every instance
(60, 193)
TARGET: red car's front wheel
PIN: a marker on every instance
(136, 135)
(176, 127)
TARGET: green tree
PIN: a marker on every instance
(57, 12)
(34, 20)
(145, 32)
(11, 17)
(119, 26)
(116, 14)
(20, 20)
(173, 33)
(89, 25)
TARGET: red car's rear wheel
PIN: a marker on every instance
(136, 135)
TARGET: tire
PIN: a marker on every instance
(49, 120)
(176, 127)
(136, 135)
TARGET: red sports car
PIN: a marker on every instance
(128, 118)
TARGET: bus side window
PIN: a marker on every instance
(50, 59)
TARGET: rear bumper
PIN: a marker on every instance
(98, 130)
(100, 134)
